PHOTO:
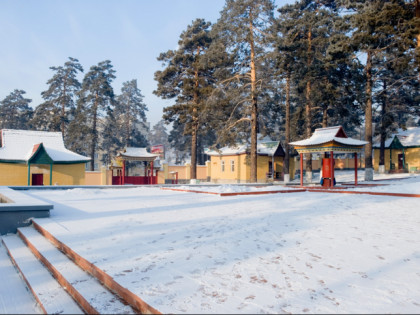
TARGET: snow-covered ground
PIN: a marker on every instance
(277, 253)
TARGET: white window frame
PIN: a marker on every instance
(222, 166)
(232, 166)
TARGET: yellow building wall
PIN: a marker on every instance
(412, 158)
(93, 178)
(66, 174)
(12, 174)
(242, 169)
(220, 176)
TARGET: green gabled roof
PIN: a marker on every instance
(396, 144)
(40, 156)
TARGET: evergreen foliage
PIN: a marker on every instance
(15, 112)
(376, 27)
(130, 116)
(317, 63)
(242, 29)
(187, 78)
(96, 100)
(55, 113)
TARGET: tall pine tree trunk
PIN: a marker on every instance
(127, 129)
(287, 140)
(325, 110)
(194, 127)
(254, 107)
(308, 106)
(368, 119)
(63, 109)
(383, 127)
(324, 117)
(94, 134)
(194, 132)
(418, 35)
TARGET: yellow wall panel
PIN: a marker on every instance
(13, 174)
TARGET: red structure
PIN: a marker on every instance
(328, 141)
(136, 154)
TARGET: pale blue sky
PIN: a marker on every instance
(36, 35)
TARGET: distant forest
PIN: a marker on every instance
(259, 69)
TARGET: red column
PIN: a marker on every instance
(332, 168)
(355, 168)
(151, 172)
(301, 169)
(123, 173)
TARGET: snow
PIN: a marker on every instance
(303, 252)
(408, 138)
(19, 145)
(324, 135)
(265, 146)
(137, 153)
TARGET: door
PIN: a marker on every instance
(37, 179)
(270, 169)
(400, 161)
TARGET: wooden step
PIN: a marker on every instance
(15, 298)
(51, 297)
(132, 299)
(85, 289)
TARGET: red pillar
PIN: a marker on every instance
(151, 173)
(355, 168)
(123, 173)
(332, 168)
(301, 169)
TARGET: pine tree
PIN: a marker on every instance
(96, 99)
(130, 115)
(397, 95)
(187, 78)
(242, 28)
(15, 112)
(54, 113)
(159, 134)
(376, 26)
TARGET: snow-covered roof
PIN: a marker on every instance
(264, 147)
(408, 138)
(137, 154)
(325, 135)
(21, 145)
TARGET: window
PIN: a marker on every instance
(222, 164)
(232, 166)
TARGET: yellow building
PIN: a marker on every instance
(38, 158)
(402, 151)
(232, 164)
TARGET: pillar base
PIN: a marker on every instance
(368, 174)
(381, 169)
(308, 177)
(286, 178)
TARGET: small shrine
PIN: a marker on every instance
(135, 154)
(328, 141)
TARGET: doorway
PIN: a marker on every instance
(37, 179)
(400, 161)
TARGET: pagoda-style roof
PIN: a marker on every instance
(329, 139)
(36, 147)
(137, 154)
